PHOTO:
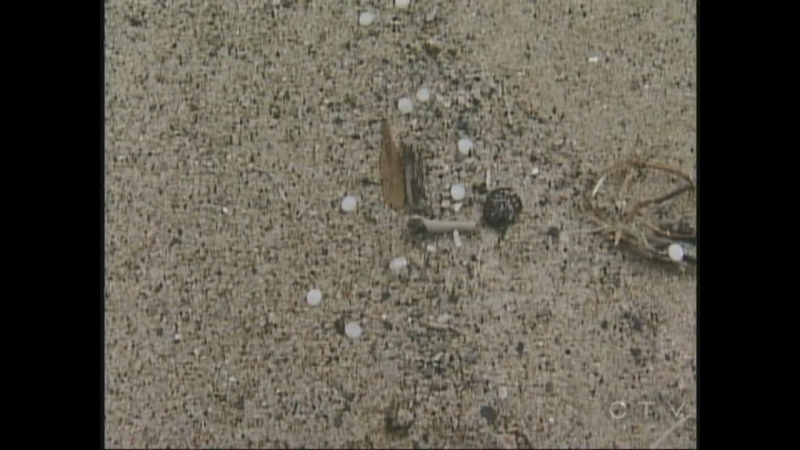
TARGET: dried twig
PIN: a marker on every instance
(418, 224)
(392, 170)
(402, 172)
(629, 227)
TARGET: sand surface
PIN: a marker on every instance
(235, 128)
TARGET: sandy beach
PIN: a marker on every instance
(234, 129)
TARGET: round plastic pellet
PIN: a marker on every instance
(675, 252)
(366, 18)
(314, 297)
(465, 146)
(398, 264)
(405, 105)
(349, 203)
(458, 192)
(423, 94)
(352, 330)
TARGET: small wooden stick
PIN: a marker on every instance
(419, 223)
(637, 207)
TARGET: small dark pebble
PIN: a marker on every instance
(502, 208)
(470, 358)
(480, 188)
(416, 226)
(489, 413)
(338, 325)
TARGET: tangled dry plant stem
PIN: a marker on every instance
(630, 228)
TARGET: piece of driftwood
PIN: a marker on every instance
(392, 169)
(402, 173)
(414, 178)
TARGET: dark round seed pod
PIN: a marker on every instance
(501, 209)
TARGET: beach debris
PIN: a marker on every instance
(415, 178)
(673, 241)
(366, 18)
(352, 330)
(502, 392)
(423, 94)
(675, 252)
(419, 224)
(398, 265)
(501, 208)
(402, 173)
(457, 238)
(314, 297)
(405, 105)
(458, 192)
(392, 169)
(465, 146)
(349, 203)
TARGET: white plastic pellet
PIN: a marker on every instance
(502, 392)
(431, 16)
(675, 252)
(464, 146)
(399, 264)
(457, 238)
(458, 192)
(401, 4)
(349, 203)
(352, 330)
(423, 94)
(405, 105)
(314, 297)
(366, 18)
